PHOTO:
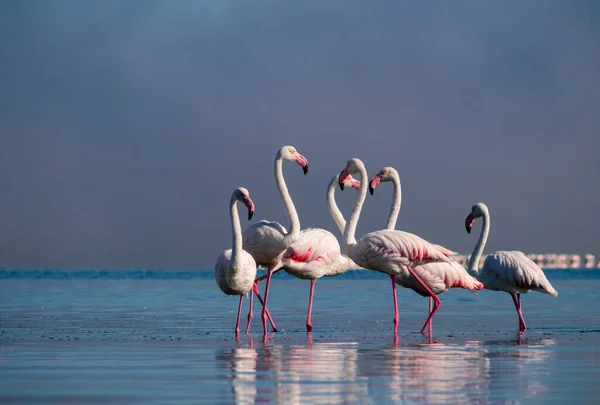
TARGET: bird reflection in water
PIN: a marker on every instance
(337, 373)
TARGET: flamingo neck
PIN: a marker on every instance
(236, 230)
(290, 209)
(334, 211)
(360, 199)
(485, 230)
(396, 202)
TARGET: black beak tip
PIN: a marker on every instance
(342, 186)
(305, 169)
(371, 190)
(468, 229)
(250, 215)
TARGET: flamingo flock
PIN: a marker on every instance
(409, 260)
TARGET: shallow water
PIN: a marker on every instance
(166, 337)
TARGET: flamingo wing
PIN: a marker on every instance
(512, 271)
(439, 277)
(390, 251)
(264, 241)
(312, 255)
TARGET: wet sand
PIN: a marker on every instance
(171, 341)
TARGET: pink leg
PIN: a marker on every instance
(517, 301)
(523, 326)
(249, 315)
(264, 310)
(312, 290)
(430, 321)
(396, 316)
(255, 289)
(436, 300)
(237, 325)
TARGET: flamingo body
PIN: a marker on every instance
(316, 253)
(264, 240)
(391, 251)
(440, 277)
(233, 282)
(513, 272)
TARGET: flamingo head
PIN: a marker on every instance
(352, 167)
(477, 211)
(385, 174)
(242, 194)
(290, 154)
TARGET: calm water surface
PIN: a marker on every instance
(127, 337)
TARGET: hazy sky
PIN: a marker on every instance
(125, 125)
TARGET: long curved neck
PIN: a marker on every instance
(360, 199)
(396, 202)
(294, 229)
(334, 211)
(474, 261)
(236, 230)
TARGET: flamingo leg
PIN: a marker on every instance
(249, 314)
(255, 289)
(237, 325)
(430, 321)
(264, 310)
(436, 300)
(312, 290)
(396, 316)
(522, 324)
(517, 301)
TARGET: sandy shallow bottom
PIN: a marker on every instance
(171, 341)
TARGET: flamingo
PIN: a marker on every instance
(509, 271)
(388, 251)
(439, 277)
(316, 252)
(235, 270)
(267, 240)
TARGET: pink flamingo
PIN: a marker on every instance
(388, 251)
(235, 270)
(267, 240)
(316, 252)
(509, 271)
(439, 277)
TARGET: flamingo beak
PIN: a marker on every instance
(250, 205)
(373, 183)
(355, 183)
(342, 177)
(469, 222)
(301, 160)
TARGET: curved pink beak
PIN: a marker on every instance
(301, 160)
(250, 205)
(469, 222)
(342, 177)
(373, 183)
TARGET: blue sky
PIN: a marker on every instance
(125, 125)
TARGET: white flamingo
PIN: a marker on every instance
(439, 277)
(235, 270)
(388, 251)
(267, 240)
(316, 252)
(509, 271)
